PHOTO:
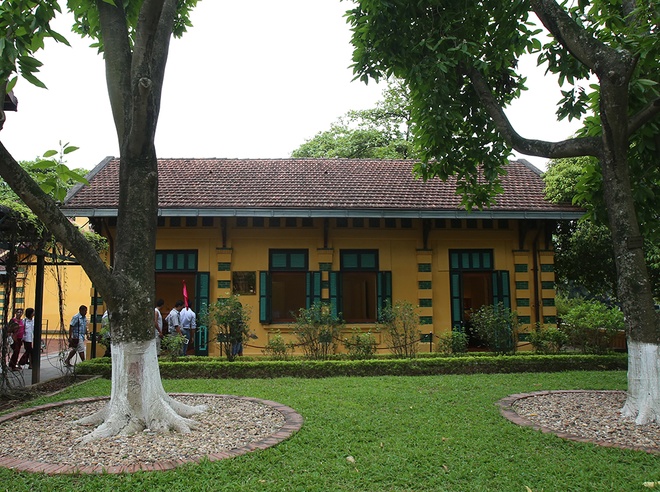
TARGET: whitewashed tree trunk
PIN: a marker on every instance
(643, 402)
(138, 400)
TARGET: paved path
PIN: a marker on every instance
(51, 368)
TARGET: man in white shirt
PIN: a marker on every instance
(158, 324)
(188, 320)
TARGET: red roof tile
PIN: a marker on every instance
(310, 184)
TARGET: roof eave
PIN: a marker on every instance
(329, 213)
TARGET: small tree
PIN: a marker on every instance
(453, 342)
(400, 324)
(360, 345)
(548, 340)
(317, 330)
(497, 325)
(229, 320)
(277, 347)
(591, 325)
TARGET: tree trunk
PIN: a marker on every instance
(138, 400)
(633, 286)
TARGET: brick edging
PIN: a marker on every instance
(293, 421)
(508, 412)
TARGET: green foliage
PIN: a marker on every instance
(360, 345)
(453, 342)
(228, 321)
(400, 325)
(584, 256)
(24, 26)
(430, 46)
(591, 325)
(217, 368)
(277, 348)
(379, 133)
(52, 176)
(87, 18)
(497, 326)
(172, 345)
(317, 330)
(548, 340)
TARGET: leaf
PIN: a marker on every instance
(50, 153)
(69, 149)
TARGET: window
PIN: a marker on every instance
(362, 288)
(287, 286)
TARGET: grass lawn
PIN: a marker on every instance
(424, 433)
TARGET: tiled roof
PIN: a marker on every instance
(225, 186)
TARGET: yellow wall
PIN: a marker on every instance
(401, 250)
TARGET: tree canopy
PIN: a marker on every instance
(460, 62)
(382, 132)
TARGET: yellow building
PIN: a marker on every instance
(284, 233)
(65, 287)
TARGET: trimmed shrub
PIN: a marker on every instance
(216, 368)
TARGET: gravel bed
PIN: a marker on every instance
(49, 436)
(593, 415)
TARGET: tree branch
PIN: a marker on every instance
(60, 226)
(599, 57)
(573, 147)
(643, 116)
(117, 55)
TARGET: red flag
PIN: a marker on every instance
(185, 294)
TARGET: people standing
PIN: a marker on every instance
(28, 338)
(17, 331)
(188, 320)
(158, 323)
(77, 332)
(173, 321)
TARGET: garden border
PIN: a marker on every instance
(293, 421)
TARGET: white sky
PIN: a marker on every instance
(242, 83)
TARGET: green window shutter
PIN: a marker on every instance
(201, 305)
(334, 286)
(501, 288)
(456, 303)
(384, 289)
(278, 260)
(264, 297)
(313, 288)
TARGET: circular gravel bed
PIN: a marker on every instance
(44, 438)
(587, 416)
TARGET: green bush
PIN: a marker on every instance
(453, 342)
(360, 345)
(228, 321)
(591, 325)
(172, 345)
(548, 340)
(497, 326)
(277, 348)
(216, 368)
(400, 325)
(317, 330)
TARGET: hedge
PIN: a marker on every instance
(213, 368)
